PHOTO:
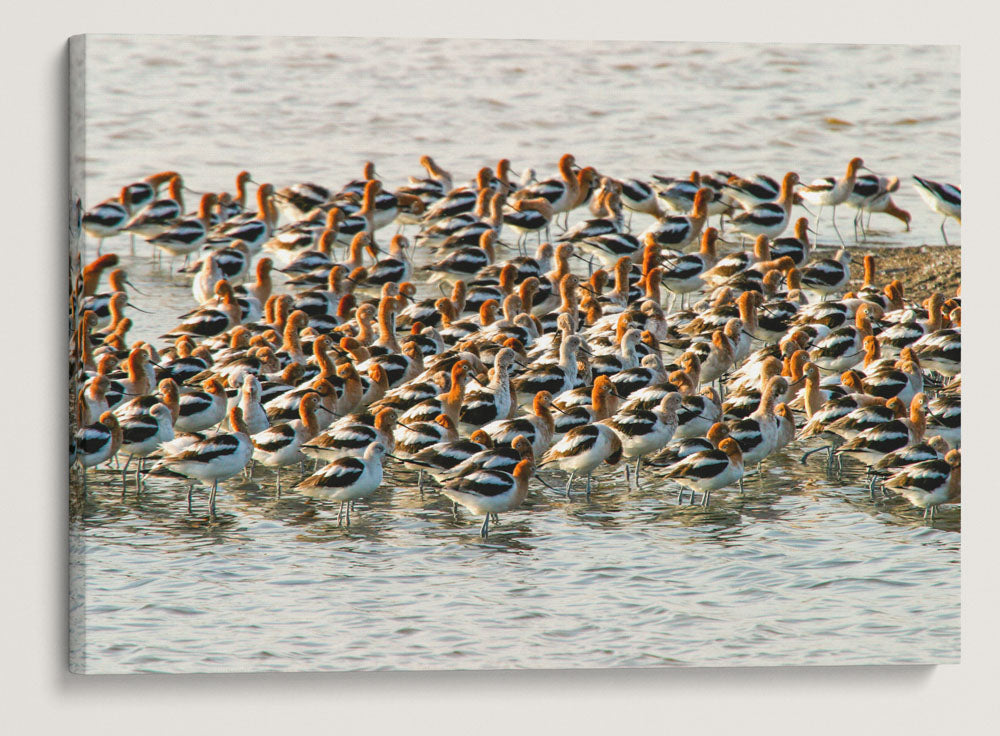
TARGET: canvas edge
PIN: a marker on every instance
(76, 195)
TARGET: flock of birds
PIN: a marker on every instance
(667, 352)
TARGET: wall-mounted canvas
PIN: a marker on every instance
(492, 354)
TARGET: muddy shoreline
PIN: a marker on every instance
(922, 269)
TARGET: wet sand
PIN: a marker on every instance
(922, 269)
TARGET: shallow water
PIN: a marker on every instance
(802, 569)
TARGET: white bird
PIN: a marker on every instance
(213, 458)
(347, 479)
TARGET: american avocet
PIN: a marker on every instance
(437, 176)
(376, 211)
(769, 218)
(443, 229)
(412, 438)
(453, 329)
(252, 412)
(107, 219)
(200, 410)
(681, 193)
(865, 417)
(757, 434)
(261, 287)
(643, 431)
(904, 379)
(208, 322)
(491, 491)
(494, 401)
(786, 425)
(460, 199)
(306, 233)
(280, 444)
(399, 366)
(736, 263)
(425, 311)
(678, 231)
(593, 227)
(611, 247)
(843, 348)
(941, 351)
(639, 196)
(100, 304)
(798, 248)
(349, 436)
(167, 393)
(828, 275)
(214, 458)
(823, 407)
(138, 194)
(184, 236)
(677, 450)
(537, 427)
(442, 457)
(933, 449)
(867, 189)
(604, 401)
(160, 214)
(583, 449)
(449, 403)
(698, 413)
(684, 275)
(526, 267)
(677, 192)
(715, 357)
(502, 176)
(945, 199)
(238, 202)
(624, 357)
(561, 193)
(884, 203)
(395, 268)
(142, 434)
(115, 308)
(741, 402)
(645, 386)
(832, 191)
(413, 392)
(930, 483)
(466, 261)
(298, 199)
(92, 399)
(234, 260)
(709, 470)
(482, 290)
(752, 191)
(870, 445)
(93, 271)
(502, 457)
(529, 216)
(470, 234)
(357, 186)
(946, 418)
(347, 479)
(208, 275)
(136, 382)
(98, 442)
(553, 377)
(318, 257)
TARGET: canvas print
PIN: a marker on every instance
(413, 354)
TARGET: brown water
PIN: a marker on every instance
(802, 569)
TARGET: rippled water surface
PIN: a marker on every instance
(802, 569)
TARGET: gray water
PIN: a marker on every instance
(802, 569)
